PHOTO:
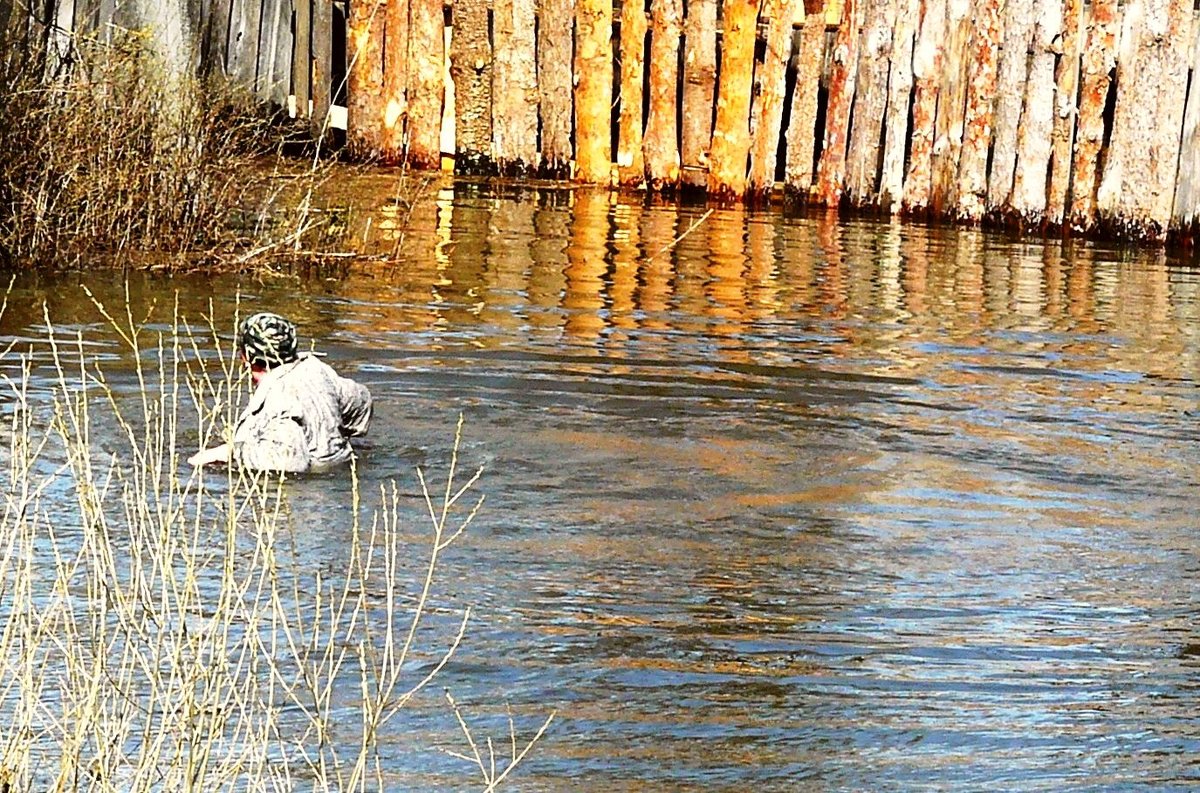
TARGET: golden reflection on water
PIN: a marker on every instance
(588, 267)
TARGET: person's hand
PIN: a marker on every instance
(217, 454)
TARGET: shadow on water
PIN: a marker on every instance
(772, 502)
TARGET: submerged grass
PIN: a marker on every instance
(153, 633)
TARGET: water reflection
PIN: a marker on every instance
(774, 502)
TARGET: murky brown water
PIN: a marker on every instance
(793, 504)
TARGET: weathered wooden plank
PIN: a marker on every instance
(831, 169)
(661, 145)
(731, 131)
(631, 168)
(1186, 215)
(274, 67)
(1062, 139)
(801, 133)
(62, 15)
(281, 67)
(322, 63)
(1164, 154)
(556, 25)
(395, 81)
(426, 82)
(768, 106)
(364, 51)
(981, 96)
(1165, 151)
(471, 69)
(951, 109)
(1037, 119)
(514, 87)
(593, 91)
(900, 86)
(699, 90)
(927, 69)
(106, 17)
(213, 29)
(302, 56)
(1012, 74)
(1099, 58)
(241, 53)
(870, 104)
(1136, 191)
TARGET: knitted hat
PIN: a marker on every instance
(267, 340)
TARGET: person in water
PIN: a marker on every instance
(302, 413)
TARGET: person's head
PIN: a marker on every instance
(265, 341)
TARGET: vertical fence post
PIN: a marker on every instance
(831, 170)
(952, 101)
(768, 106)
(699, 90)
(302, 56)
(1037, 117)
(630, 165)
(661, 146)
(927, 70)
(1065, 112)
(514, 86)
(364, 53)
(1099, 58)
(1172, 99)
(394, 102)
(322, 63)
(426, 84)
(593, 91)
(1144, 151)
(977, 124)
(471, 69)
(1187, 190)
(241, 61)
(731, 131)
(862, 158)
(555, 76)
(900, 83)
(1012, 74)
(802, 121)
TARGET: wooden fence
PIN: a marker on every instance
(1057, 114)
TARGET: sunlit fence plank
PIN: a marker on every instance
(699, 90)
(727, 177)
(831, 168)
(801, 135)
(768, 105)
(977, 123)
(661, 144)
(631, 168)
(1098, 61)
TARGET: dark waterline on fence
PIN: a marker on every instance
(792, 503)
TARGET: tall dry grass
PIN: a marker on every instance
(154, 632)
(101, 154)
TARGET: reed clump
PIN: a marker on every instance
(154, 632)
(103, 153)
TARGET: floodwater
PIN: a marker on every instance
(772, 502)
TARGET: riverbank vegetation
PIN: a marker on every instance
(156, 632)
(105, 155)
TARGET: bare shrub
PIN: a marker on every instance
(105, 155)
(153, 634)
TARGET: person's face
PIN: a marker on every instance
(256, 372)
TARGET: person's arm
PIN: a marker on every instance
(217, 454)
(355, 402)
